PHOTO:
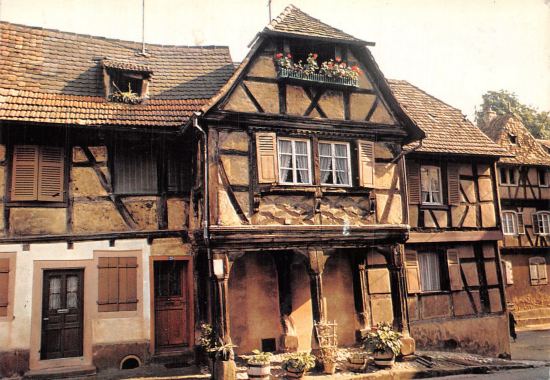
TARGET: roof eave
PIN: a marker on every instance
(270, 32)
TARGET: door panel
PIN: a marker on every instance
(62, 314)
(171, 304)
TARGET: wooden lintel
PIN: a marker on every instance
(452, 236)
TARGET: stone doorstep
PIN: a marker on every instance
(60, 372)
(533, 321)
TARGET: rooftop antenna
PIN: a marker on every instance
(269, 6)
(143, 29)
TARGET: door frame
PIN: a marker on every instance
(190, 299)
(45, 296)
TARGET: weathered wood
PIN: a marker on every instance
(230, 194)
(314, 101)
(213, 159)
(457, 235)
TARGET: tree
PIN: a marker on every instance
(504, 102)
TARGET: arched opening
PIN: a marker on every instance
(130, 362)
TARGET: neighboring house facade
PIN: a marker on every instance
(524, 189)
(456, 295)
(96, 263)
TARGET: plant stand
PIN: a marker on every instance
(258, 371)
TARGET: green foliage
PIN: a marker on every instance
(128, 97)
(260, 358)
(299, 361)
(383, 339)
(224, 352)
(207, 339)
(504, 102)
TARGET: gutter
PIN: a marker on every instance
(206, 211)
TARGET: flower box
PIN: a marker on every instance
(316, 77)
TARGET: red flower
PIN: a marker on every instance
(315, 55)
(355, 68)
(279, 55)
(338, 59)
(343, 64)
(289, 56)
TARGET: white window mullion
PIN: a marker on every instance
(333, 159)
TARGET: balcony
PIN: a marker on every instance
(283, 72)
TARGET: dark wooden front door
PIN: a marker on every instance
(171, 305)
(62, 314)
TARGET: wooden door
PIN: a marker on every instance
(171, 305)
(62, 311)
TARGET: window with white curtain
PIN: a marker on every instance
(430, 177)
(335, 163)
(541, 222)
(509, 223)
(430, 271)
(294, 161)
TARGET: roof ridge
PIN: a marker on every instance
(37, 28)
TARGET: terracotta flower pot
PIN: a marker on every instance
(358, 363)
(384, 359)
(329, 367)
(259, 371)
(293, 373)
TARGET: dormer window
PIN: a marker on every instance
(125, 82)
(513, 139)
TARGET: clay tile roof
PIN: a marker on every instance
(292, 21)
(56, 77)
(125, 65)
(545, 143)
(526, 151)
(447, 129)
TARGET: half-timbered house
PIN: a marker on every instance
(524, 187)
(305, 191)
(455, 293)
(96, 267)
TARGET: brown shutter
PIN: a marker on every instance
(266, 155)
(543, 277)
(521, 225)
(4, 283)
(413, 182)
(127, 282)
(366, 163)
(508, 272)
(412, 272)
(108, 284)
(50, 174)
(25, 173)
(453, 263)
(534, 270)
(453, 184)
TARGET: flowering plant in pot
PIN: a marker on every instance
(297, 363)
(328, 356)
(259, 365)
(384, 343)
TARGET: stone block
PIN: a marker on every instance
(485, 189)
(170, 247)
(233, 140)
(100, 216)
(38, 221)
(236, 168)
(379, 281)
(85, 183)
(408, 346)
(386, 176)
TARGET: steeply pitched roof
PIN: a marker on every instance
(447, 129)
(292, 21)
(56, 77)
(545, 144)
(526, 151)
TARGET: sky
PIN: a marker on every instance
(455, 50)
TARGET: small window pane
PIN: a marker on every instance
(55, 293)
(72, 292)
(431, 185)
(430, 271)
(294, 161)
(335, 164)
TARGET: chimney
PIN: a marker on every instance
(488, 116)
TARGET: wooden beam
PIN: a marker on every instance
(454, 236)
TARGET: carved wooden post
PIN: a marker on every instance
(221, 282)
(364, 311)
(399, 299)
(317, 261)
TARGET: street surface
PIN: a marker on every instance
(541, 373)
(532, 345)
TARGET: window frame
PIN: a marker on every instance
(294, 169)
(515, 224)
(430, 190)
(545, 174)
(348, 159)
(541, 218)
(508, 170)
(536, 262)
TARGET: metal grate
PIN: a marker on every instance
(316, 77)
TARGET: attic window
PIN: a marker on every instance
(301, 49)
(513, 139)
(125, 82)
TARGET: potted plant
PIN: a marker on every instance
(225, 352)
(384, 343)
(297, 363)
(207, 344)
(259, 365)
(328, 358)
(358, 361)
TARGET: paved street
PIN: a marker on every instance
(532, 345)
(541, 373)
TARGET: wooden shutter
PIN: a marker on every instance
(25, 173)
(413, 182)
(50, 174)
(453, 263)
(521, 224)
(411, 271)
(453, 184)
(543, 276)
(366, 163)
(266, 155)
(117, 284)
(536, 223)
(4, 283)
(533, 271)
(508, 272)
(127, 281)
